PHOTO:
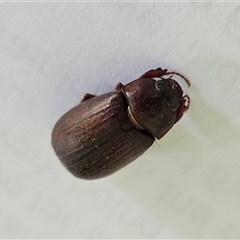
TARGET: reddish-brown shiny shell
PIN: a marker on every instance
(96, 138)
(105, 133)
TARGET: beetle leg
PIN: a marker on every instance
(154, 73)
(87, 96)
(183, 107)
(119, 87)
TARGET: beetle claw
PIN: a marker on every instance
(183, 107)
(186, 102)
(119, 87)
(87, 96)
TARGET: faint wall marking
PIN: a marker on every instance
(233, 25)
(203, 6)
(148, 21)
(20, 48)
(174, 198)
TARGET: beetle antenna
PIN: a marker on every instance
(180, 75)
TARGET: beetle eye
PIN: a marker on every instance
(168, 94)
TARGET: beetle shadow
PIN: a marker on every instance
(166, 180)
(154, 180)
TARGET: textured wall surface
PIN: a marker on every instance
(186, 186)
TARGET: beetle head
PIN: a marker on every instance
(154, 105)
(171, 92)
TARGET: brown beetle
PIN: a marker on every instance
(105, 133)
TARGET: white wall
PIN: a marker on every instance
(187, 185)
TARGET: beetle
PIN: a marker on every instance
(104, 133)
